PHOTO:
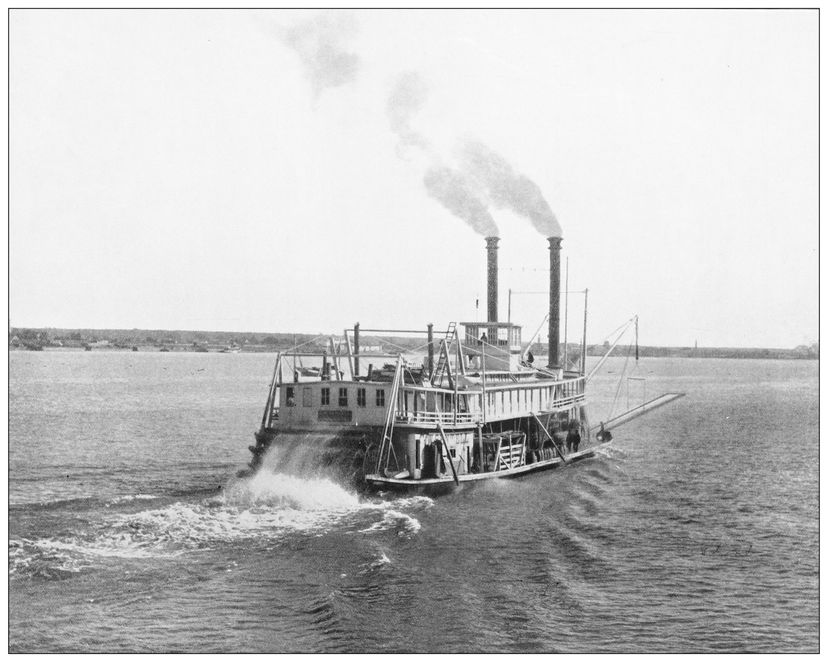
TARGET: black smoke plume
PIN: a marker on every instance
(406, 99)
(508, 189)
(320, 43)
(457, 194)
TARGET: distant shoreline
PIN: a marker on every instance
(156, 340)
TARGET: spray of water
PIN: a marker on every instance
(286, 491)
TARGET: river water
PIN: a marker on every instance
(697, 531)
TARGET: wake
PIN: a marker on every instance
(265, 508)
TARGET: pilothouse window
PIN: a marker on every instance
(343, 397)
(326, 396)
(361, 397)
(380, 397)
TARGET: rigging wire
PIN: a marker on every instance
(620, 381)
(615, 330)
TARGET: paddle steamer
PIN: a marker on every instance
(473, 407)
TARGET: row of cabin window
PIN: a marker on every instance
(343, 397)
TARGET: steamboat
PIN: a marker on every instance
(473, 406)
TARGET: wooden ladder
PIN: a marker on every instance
(444, 355)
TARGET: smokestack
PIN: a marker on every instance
(554, 299)
(491, 249)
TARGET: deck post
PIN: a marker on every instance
(480, 445)
(447, 454)
(356, 351)
(483, 384)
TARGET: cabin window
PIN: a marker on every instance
(343, 397)
(326, 396)
(380, 397)
(361, 397)
(417, 454)
(307, 396)
(453, 452)
(290, 398)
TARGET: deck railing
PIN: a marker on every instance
(497, 403)
(443, 417)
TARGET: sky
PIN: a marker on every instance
(302, 171)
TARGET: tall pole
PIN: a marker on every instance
(566, 314)
(583, 342)
(509, 309)
(636, 338)
(483, 395)
(430, 365)
(356, 351)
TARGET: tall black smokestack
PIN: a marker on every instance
(554, 299)
(491, 249)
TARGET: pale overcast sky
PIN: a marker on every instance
(240, 170)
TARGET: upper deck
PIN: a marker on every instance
(469, 379)
(340, 403)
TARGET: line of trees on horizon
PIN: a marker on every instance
(38, 338)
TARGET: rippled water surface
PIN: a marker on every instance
(696, 532)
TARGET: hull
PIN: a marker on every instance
(445, 484)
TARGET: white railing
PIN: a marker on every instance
(443, 417)
(503, 402)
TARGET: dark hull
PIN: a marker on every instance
(447, 484)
